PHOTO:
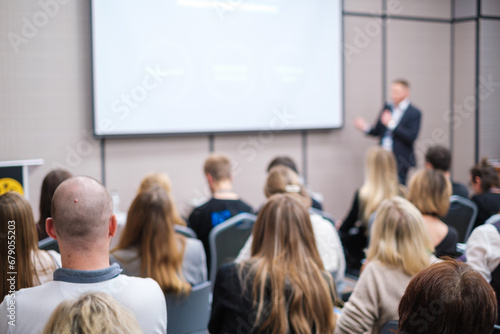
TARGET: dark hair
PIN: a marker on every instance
(448, 297)
(402, 82)
(488, 175)
(283, 161)
(439, 157)
(49, 186)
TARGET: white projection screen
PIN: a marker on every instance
(205, 66)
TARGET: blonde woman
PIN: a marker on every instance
(19, 247)
(282, 180)
(283, 287)
(92, 313)
(430, 192)
(162, 180)
(149, 246)
(381, 182)
(399, 249)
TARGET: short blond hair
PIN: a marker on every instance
(430, 192)
(218, 166)
(399, 237)
(96, 312)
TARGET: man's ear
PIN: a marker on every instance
(113, 225)
(209, 177)
(49, 228)
(477, 180)
(428, 165)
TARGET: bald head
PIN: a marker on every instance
(81, 211)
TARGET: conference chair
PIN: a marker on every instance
(189, 314)
(390, 327)
(496, 329)
(461, 215)
(48, 244)
(227, 239)
(185, 231)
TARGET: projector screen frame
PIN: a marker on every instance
(300, 130)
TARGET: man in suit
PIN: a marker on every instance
(397, 127)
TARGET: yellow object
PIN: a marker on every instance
(7, 184)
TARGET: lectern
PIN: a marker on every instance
(14, 175)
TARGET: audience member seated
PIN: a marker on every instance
(448, 298)
(149, 246)
(224, 204)
(288, 162)
(439, 158)
(19, 247)
(92, 313)
(430, 192)
(381, 182)
(281, 180)
(162, 180)
(483, 252)
(83, 224)
(49, 186)
(282, 287)
(399, 249)
(485, 185)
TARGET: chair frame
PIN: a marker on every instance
(185, 231)
(469, 204)
(216, 230)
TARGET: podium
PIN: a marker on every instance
(14, 175)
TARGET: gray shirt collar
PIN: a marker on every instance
(87, 276)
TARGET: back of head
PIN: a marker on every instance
(430, 192)
(282, 180)
(487, 173)
(17, 234)
(50, 183)
(155, 179)
(286, 262)
(381, 180)
(439, 157)
(81, 211)
(150, 229)
(448, 298)
(96, 312)
(399, 237)
(283, 161)
(218, 166)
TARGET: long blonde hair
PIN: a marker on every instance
(150, 228)
(95, 312)
(399, 237)
(18, 241)
(285, 258)
(381, 181)
(430, 192)
(162, 180)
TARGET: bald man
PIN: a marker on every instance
(83, 223)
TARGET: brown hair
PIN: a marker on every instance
(283, 161)
(162, 180)
(18, 243)
(150, 228)
(439, 157)
(281, 180)
(285, 258)
(49, 185)
(488, 175)
(402, 82)
(448, 297)
(430, 192)
(218, 166)
(96, 312)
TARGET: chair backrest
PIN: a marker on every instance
(185, 231)
(48, 244)
(189, 314)
(461, 215)
(390, 327)
(227, 239)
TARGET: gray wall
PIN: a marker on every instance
(45, 87)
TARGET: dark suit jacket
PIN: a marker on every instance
(404, 135)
